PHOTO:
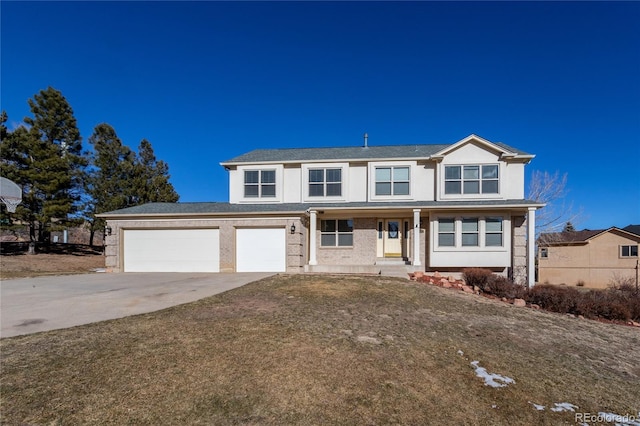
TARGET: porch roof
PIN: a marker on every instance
(228, 209)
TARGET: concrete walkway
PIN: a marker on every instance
(31, 305)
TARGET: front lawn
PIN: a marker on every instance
(311, 349)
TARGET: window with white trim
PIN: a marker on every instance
(471, 179)
(446, 232)
(493, 232)
(468, 232)
(325, 182)
(392, 181)
(259, 183)
(629, 251)
(544, 252)
(336, 233)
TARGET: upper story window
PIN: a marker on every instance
(471, 179)
(259, 183)
(392, 180)
(629, 251)
(544, 252)
(325, 182)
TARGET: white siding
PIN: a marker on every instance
(358, 183)
(292, 185)
(514, 181)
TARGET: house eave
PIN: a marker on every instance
(227, 165)
(137, 216)
(302, 209)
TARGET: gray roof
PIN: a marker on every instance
(219, 208)
(348, 153)
(574, 237)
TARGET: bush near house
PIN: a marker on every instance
(617, 303)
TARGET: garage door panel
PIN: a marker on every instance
(171, 250)
(261, 250)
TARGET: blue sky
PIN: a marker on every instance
(206, 81)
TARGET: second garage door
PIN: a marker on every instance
(261, 250)
(171, 250)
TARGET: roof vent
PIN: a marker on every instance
(366, 137)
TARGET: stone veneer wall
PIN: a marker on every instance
(296, 243)
(519, 249)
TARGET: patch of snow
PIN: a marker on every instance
(537, 406)
(460, 352)
(368, 339)
(492, 379)
(494, 406)
(563, 406)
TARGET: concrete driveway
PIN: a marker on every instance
(30, 305)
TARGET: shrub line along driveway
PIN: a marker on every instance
(31, 305)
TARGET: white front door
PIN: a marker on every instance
(392, 238)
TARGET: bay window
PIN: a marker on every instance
(463, 232)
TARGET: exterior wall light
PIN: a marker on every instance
(107, 230)
(293, 228)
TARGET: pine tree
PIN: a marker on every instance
(3, 128)
(108, 183)
(568, 227)
(46, 159)
(152, 178)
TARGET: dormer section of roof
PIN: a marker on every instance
(504, 152)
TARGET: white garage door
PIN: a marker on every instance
(171, 250)
(261, 250)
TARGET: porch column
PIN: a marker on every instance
(531, 247)
(312, 237)
(416, 237)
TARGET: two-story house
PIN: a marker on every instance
(440, 207)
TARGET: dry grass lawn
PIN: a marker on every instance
(314, 350)
(75, 259)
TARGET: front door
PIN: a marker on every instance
(392, 238)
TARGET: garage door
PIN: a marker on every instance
(261, 250)
(171, 250)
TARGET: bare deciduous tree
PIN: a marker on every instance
(551, 189)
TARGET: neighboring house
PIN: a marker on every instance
(350, 209)
(590, 258)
